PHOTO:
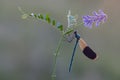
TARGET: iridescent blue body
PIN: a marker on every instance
(77, 36)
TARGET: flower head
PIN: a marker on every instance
(72, 20)
(96, 18)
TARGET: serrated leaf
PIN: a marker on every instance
(53, 22)
(40, 16)
(60, 27)
(48, 19)
(35, 15)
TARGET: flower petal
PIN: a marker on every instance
(96, 18)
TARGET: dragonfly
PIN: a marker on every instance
(87, 51)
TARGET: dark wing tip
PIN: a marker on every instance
(88, 52)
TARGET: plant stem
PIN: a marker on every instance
(55, 58)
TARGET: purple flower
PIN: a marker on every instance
(96, 18)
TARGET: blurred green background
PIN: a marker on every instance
(27, 46)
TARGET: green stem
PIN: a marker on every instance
(78, 25)
(55, 58)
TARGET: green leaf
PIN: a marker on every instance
(35, 15)
(60, 27)
(53, 22)
(40, 16)
(24, 16)
(48, 18)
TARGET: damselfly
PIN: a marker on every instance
(88, 52)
